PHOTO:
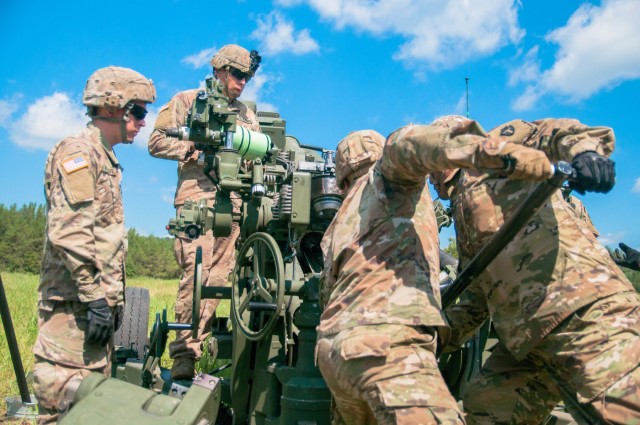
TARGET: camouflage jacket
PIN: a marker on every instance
(85, 241)
(192, 183)
(554, 265)
(381, 249)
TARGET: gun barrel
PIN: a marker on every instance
(484, 257)
(13, 346)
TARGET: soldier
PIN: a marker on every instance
(234, 66)
(381, 320)
(568, 320)
(81, 292)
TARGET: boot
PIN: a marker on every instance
(183, 368)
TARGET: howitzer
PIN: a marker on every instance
(288, 198)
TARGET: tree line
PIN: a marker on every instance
(22, 239)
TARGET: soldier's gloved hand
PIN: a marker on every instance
(594, 173)
(523, 163)
(100, 326)
(627, 257)
(119, 316)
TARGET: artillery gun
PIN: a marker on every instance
(288, 197)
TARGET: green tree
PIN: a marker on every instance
(21, 237)
(451, 248)
(151, 256)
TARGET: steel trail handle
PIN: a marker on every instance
(536, 199)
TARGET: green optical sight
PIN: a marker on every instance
(211, 124)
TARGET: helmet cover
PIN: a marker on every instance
(356, 153)
(237, 57)
(114, 87)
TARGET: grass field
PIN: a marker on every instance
(22, 295)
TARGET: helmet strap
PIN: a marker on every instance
(123, 123)
(120, 120)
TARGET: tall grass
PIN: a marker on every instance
(22, 295)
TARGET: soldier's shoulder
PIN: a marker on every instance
(548, 125)
(75, 152)
(81, 143)
(185, 96)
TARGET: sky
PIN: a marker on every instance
(329, 67)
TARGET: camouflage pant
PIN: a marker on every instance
(386, 374)
(218, 260)
(594, 354)
(63, 357)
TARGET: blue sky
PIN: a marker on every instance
(329, 67)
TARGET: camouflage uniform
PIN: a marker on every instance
(85, 244)
(377, 334)
(218, 254)
(82, 281)
(556, 299)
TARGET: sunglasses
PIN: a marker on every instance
(138, 112)
(239, 75)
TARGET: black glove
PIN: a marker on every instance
(594, 173)
(100, 322)
(626, 257)
(119, 316)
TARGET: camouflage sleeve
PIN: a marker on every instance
(563, 139)
(414, 151)
(328, 275)
(172, 115)
(466, 316)
(72, 215)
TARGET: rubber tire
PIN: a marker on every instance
(135, 325)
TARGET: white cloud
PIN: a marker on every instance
(438, 33)
(47, 121)
(260, 85)
(52, 118)
(597, 49)
(200, 59)
(610, 239)
(8, 108)
(528, 71)
(277, 35)
(636, 186)
(528, 99)
(168, 194)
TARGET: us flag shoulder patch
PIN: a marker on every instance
(74, 164)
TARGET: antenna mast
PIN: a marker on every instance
(466, 81)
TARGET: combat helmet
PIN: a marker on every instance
(115, 87)
(356, 153)
(237, 57)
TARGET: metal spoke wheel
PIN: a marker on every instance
(258, 286)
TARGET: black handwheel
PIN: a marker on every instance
(258, 286)
(197, 294)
